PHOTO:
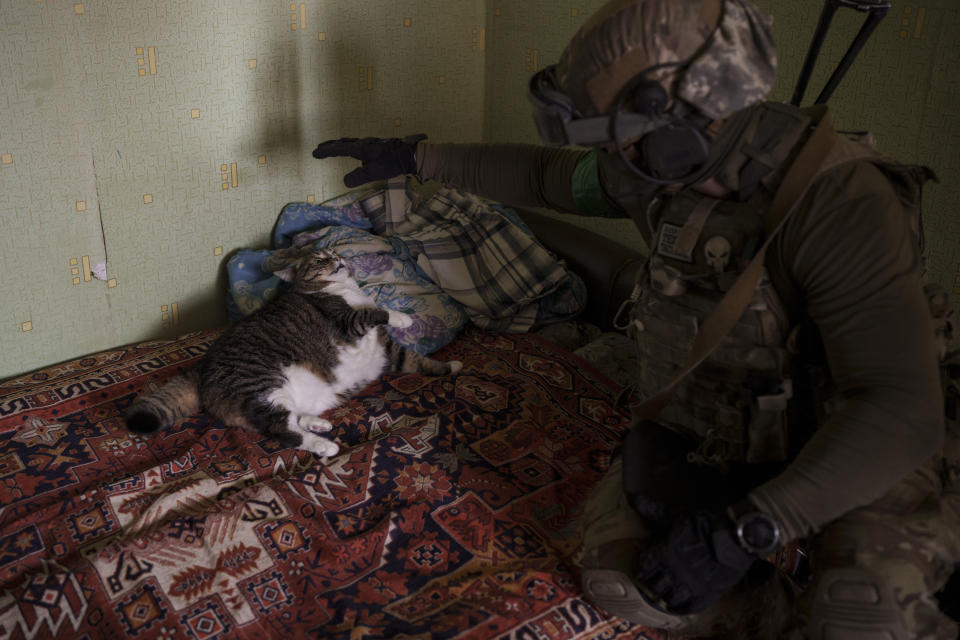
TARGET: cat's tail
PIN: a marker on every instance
(407, 361)
(160, 409)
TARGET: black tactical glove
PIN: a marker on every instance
(695, 564)
(381, 158)
(660, 483)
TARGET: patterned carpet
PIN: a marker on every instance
(451, 512)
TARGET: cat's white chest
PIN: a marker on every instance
(360, 363)
(304, 392)
(351, 293)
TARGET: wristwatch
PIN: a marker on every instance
(757, 532)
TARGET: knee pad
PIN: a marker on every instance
(855, 604)
(614, 592)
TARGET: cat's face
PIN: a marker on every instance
(316, 269)
(323, 266)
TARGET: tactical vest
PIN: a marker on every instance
(736, 402)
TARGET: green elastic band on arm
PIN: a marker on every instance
(587, 192)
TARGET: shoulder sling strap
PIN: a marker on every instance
(726, 314)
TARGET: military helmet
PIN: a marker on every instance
(717, 56)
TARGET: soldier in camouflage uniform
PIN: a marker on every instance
(819, 416)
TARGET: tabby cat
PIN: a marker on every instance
(277, 370)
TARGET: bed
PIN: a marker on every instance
(452, 510)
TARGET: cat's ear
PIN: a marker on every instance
(288, 274)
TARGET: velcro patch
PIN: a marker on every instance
(667, 240)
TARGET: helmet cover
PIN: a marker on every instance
(725, 50)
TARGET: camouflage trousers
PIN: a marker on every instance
(907, 543)
(876, 570)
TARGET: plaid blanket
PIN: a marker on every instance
(445, 259)
(480, 254)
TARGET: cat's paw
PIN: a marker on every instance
(314, 423)
(319, 445)
(455, 366)
(399, 320)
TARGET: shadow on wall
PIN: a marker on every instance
(301, 99)
(278, 120)
(203, 309)
(302, 96)
(310, 92)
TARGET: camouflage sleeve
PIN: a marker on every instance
(851, 254)
(514, 174)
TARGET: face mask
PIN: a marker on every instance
(667, 147)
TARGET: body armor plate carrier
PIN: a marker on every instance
(736, 402)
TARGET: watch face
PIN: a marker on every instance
(758, 533)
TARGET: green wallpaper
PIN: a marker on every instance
(903, 88)
(145, 141)
(158, 137)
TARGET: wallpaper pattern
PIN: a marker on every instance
(142, 142)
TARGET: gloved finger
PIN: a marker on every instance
(357, 177)
(661, 584)
(654, 575)
(679, 599)
(351, 147)
(647, 566)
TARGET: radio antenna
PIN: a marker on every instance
(876, 10)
